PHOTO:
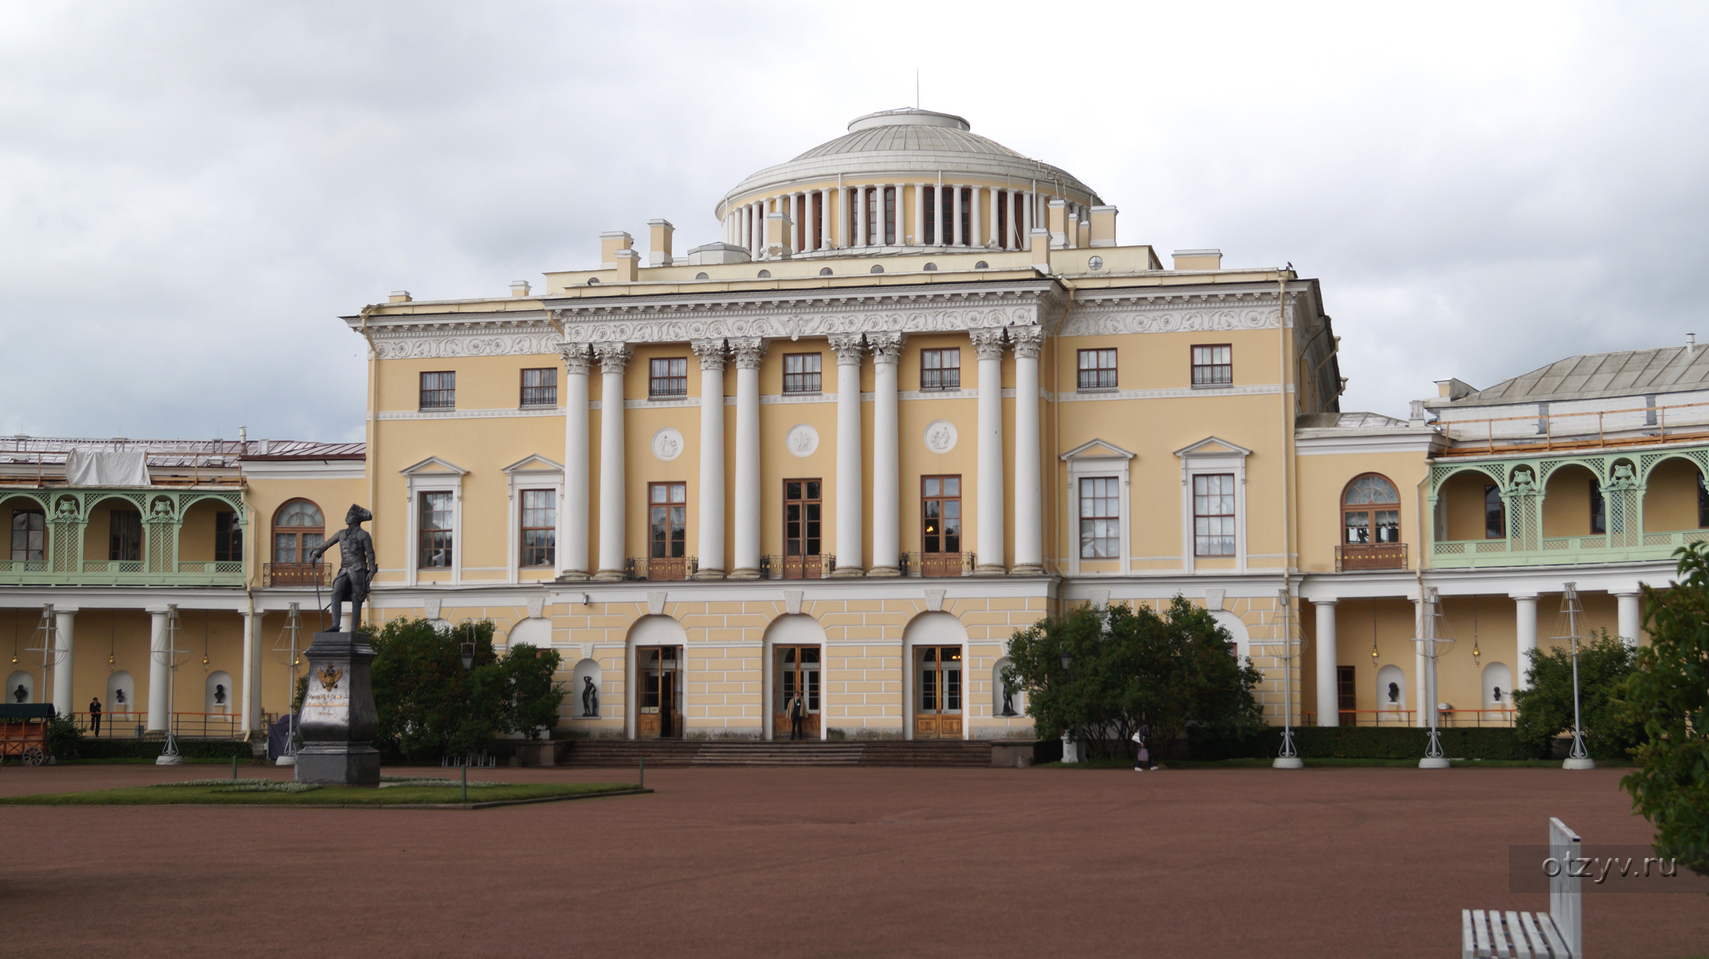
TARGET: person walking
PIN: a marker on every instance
(1142, 759)
(797, 711)
(95, 715)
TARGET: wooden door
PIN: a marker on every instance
(937, 692)
(659, 713)
(1346, 702)
(940, 526)
(802, 509)
(795, 668)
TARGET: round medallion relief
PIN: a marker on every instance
(667, 444)
(802, 440)
(940, 436)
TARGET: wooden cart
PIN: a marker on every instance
(23, 732)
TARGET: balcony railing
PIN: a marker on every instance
(296, 574)
(1587, 429)
(1351, 557)
(1561, 550)
(36, 572)
(937, 565)
(660, 569)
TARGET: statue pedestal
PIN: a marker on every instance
(339, 720)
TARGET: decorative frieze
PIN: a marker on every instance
(1191, 313)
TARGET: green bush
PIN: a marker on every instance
(62, 738)
(1359, 742)
(1546, 708)
(151, 748)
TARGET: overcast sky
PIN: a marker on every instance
(191, 194)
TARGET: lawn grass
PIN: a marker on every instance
(403, 795)
(1330, 762)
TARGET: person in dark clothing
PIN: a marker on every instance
(1142, 761)
(797, 712)
(95, 716)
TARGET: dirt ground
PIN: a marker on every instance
(817, 862)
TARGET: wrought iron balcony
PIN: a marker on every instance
(1352, 557)
(296, 574)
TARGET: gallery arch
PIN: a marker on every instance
(934, 699)
(655, 711)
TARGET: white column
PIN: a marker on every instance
(919, 214)
(955, 216)
(1420, 668)
(711, 495)
(1016, 240)
(64, 625)
(901, 213)
(1328, 691)
(749, 353)
(250, 703)
(996, 234)
(974, 224)
(794, 223)
(1525, 614)
(845, 225)
(1027, 200)
(1631, 618)
(824, 219)
(572, 527)
(850, 562)
(1029, 489)
(613, 359)
(886, 455)
(988, 547)
(158, 664)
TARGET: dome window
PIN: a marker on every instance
(931, 267)
(982, 265)
(701, 276)
(593, 281)
(1095, 263)
(824, 271)
(877, 268)
(765, 274)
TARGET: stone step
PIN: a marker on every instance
(669, 752)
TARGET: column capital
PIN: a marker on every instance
(613, 357)
(1028, 341)
(1522, 597)
(577, 359)
(711, 353)
(848, 347)
(886, 347)
(988, 343)
(1328, 601)
(749, 351)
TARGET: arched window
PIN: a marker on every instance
(1370, 525)
(298, 528)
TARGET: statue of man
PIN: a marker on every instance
(356, 557)
(590, 697)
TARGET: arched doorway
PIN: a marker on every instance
(935, 697)
(794, 662)
(656, 645)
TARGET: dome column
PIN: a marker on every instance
(919, 214)
(1029, 493)
(974, 224)
(824, 219)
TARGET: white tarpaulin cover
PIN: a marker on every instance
(106, 468)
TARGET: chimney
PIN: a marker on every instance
(1084, 237)
(1198, 260)
(659, 245)
(518, 287)
(400, 296)
(628, 262)
(609, 244)
(1103, 226)
(1691, 344)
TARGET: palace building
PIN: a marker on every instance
(913, 398)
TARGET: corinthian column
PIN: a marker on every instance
(749, 353)
(1029, 492)
(988, 344)
(886, 455)
(711, 353)
(850, 562)
(613, 360)
(572, 539)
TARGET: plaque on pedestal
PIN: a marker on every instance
(339, 720)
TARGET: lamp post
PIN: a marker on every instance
(1289, 758)
(1431, 611)
(291, 658)
(468, 657)
(1578, 757)
(168, 657)
(1070, 748)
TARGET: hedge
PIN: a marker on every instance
(150, 748)
(1363, 742)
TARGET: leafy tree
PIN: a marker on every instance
(1126, 667)
(430, 706)
(1546, 709)
(1668, 693)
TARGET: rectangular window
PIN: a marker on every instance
(539, 526)
(1213, 365)
(668, 377)
(1097, 369)
(540, 387)
(1598, 510)
(802, 528)
(940, 525)
(1213, 514)
(890, 210)
(438, 391)
(29, 533)
(931, 216)
(667, 519)
(124, 535)
(228, 537)
(1100, 517)
(801, 373)
(1346, 700)
(435, 531)
(940, 369)
(1495, 514)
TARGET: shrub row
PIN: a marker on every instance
(150, 748)
(1363, 742)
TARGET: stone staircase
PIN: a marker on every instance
(676, 752)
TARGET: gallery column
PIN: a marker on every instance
(613, 360)
(886, 455)
(749, 354)
(1525, 633)
(711, 496)
(1328, 692)
(64, 624)
(1630, 617)
(988, 344)
(1029, 490)
(251, 669)
(572, 543)
(158, 665)
(850, 562)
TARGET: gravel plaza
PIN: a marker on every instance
(811, 862)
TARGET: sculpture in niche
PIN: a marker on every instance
(1008, 700)
(590, 697)
(1394, 692)
(1497, 694)
(356, 557)
(21, 694)
(219, 694)
(119, 696)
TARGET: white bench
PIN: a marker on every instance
(1523, 935)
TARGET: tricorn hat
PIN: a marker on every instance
(361, 515)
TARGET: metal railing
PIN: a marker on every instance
(296, 574)
(1585, 430)
(132, 724)
(1445, 718)
(936, 565)
(661, 569)
(1358, 556)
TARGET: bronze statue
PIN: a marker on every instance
(358, 566)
